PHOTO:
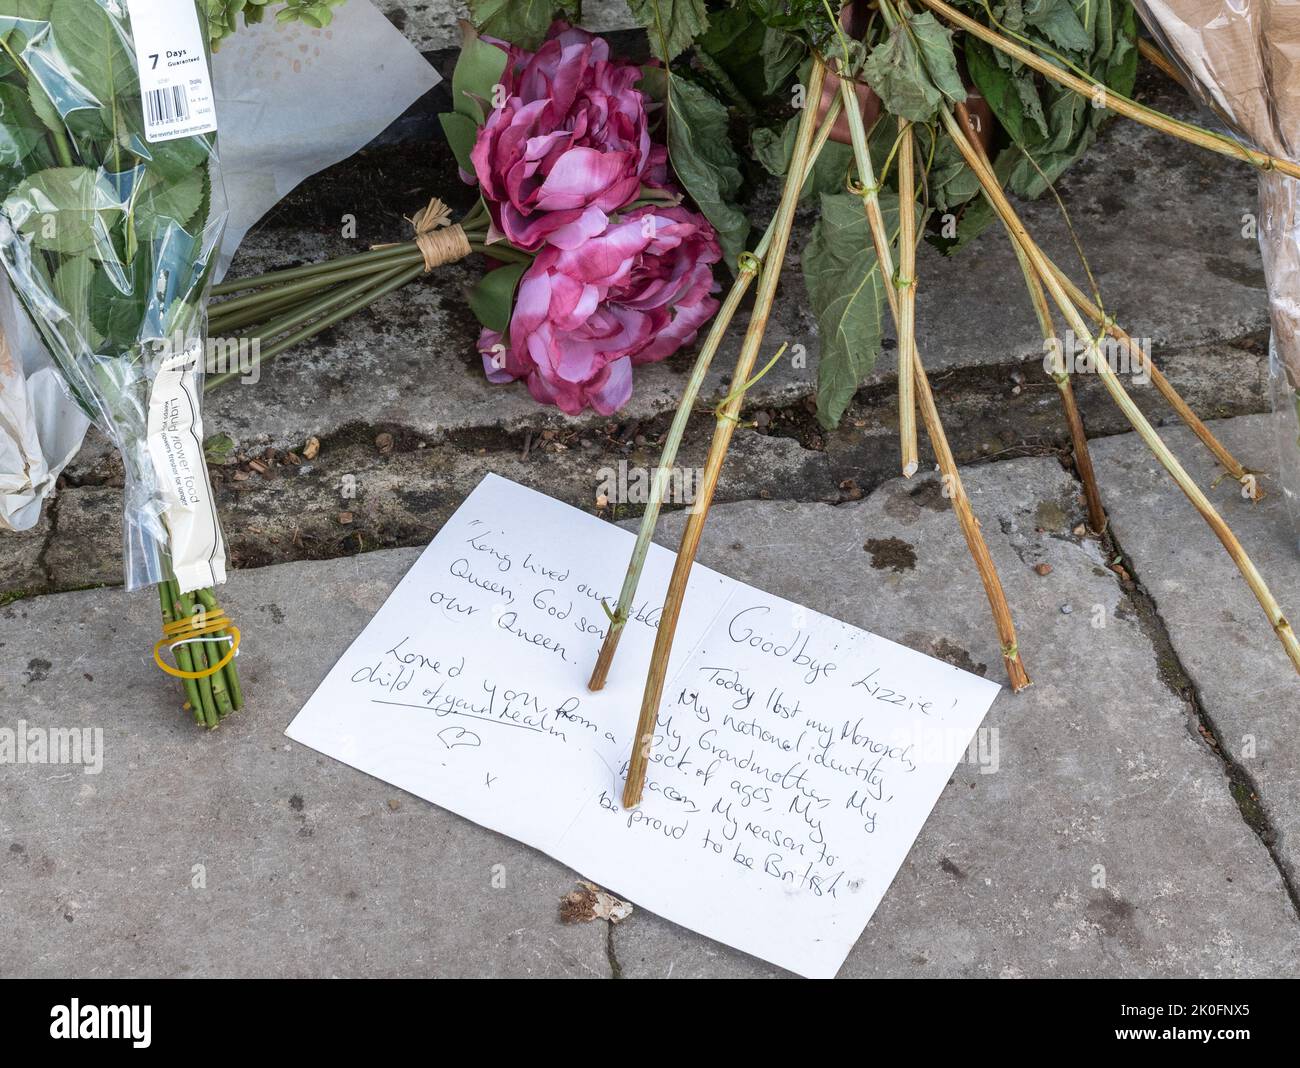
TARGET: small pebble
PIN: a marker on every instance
(1066, 609)
(1043, 569)
(1080, 531)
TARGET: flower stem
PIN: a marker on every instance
(1114, 101)
(209, 601)
(1078, 434)
(1064, 387)
(905, 301)
(334, 312)
(1165, 387)
(672, 441)
(975, 544)
(168, 598)
(199, 659)
(1152, 54)
(993, 189)
(293, 274)
(726, 424)
(316, 282)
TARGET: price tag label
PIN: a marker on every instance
(175, 83)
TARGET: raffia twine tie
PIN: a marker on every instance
(437, 237)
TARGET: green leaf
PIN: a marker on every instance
(756, 59)
(935, 42)
(72, 287)
(217, 448)
(493, 298)
(782, 54)
(66, 209)
(117, 315)
(174, 160)
(704, 161)
(21, 130)
(1058, 22)
(461, 132)
(36, 10)
(952, 183)
(847, 294)
(521, 22)
(998, 86)
(89, 43)
(829, 173)
(43, 106)
(895, 71)
(163, 203)
(478, 71)
(671, 25)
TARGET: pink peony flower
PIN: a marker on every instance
(569, 146)
(583, 317)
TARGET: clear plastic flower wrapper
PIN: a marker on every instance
(1240, 60)
(111, 219)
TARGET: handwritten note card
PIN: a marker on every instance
(796, 757)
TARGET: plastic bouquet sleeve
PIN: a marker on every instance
(1242, 61)
(111, 218)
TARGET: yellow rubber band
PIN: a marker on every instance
(181, 629)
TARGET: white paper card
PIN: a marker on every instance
(175, 83)
(796, 757)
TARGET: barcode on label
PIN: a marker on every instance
(165, 106)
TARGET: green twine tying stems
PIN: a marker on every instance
(858, 189)
(741, 390)
(748, 263)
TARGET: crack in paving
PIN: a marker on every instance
(615, 969)
(1201, 724)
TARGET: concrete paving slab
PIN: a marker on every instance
(1107, 843)
(1235, 669)
(236, 852)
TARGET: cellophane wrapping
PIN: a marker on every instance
(1242, 60)
(109, 239)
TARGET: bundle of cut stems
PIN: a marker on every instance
(1048, 276)
(1043, 278)
(215, 694)
(284, 308)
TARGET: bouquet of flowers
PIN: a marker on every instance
(908, 120)
(595, 263)
(111, 208)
